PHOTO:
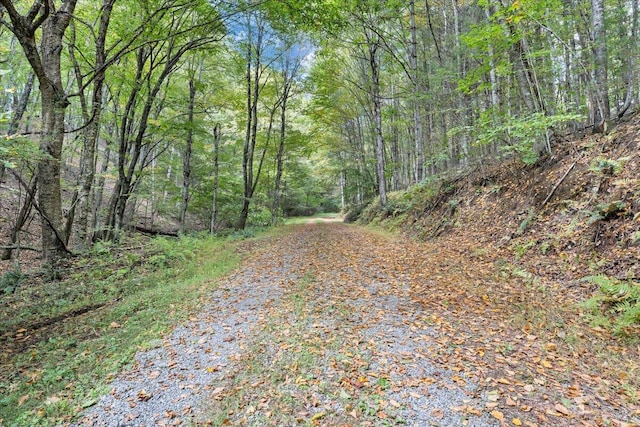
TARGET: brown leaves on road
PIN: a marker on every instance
(367, 329)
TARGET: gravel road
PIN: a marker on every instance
(313, 330)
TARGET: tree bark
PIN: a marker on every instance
(373, 45)
(90, 133)
(46, 65)
(216, 171)
(281, 146)
(253, 72)
(418, 168)
(630, 60)
(186, 167)
(98, 197)
(25, 210)
(601, 112)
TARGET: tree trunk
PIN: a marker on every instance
(98, 196)
(601, 112)
(54, 104)
(630, 59)
(21, 107)
(377, 112)
(251, 133)
(186, 168)
(280, 154)
(46, 65)
(90, 134)
(216, 171)
(25, 210)
(418, 168)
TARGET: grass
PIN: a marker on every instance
(134, 295)
(296, 220)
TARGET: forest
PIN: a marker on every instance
(174, 175)
(194, 115)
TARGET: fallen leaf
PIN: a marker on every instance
(493, 395)
(516, 422)
(437, 413)
(562, 409)
(143, 396)
(497, 415)
(52, 399)
(473, 411)
(23, 399)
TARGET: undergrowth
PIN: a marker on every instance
(616, 304)
(63, 341)
(401, 203)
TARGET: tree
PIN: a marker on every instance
(186, 169)
(602, 109)
(53, 19)
(290, 68)
(91, 113)
(257, 76)
(183, 28)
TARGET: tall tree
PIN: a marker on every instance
(256, 77)
(193, 69)
(183, 28)
(52, 18)
(290, 67)
(91, 112)
(602, 109)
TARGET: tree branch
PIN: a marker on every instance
(11, 10)
(37, 206)
(20, 247)
(555, 187)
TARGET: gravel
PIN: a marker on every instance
(169, 384)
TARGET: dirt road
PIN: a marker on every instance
(330, 324)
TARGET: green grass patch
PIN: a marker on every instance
(63, 341)
(319, 217)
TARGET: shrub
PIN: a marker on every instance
(10, 280)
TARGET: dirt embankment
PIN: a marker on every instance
(569, 216)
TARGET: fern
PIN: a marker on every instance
(600, 280)
(604, 166)
(10, 281)
(617, 299)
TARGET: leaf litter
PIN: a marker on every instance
(330, 324)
